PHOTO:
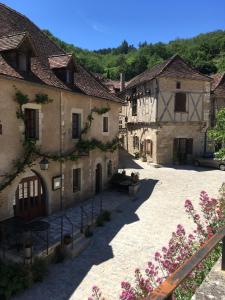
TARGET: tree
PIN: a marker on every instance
(218, 133)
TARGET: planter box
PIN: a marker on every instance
(134, 188)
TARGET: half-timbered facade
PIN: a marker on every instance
(167, 112)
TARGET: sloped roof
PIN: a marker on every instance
(218, 84)
(15, 24)
(172, 67)
(59, 61)
(10, 42)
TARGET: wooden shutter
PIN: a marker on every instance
(180, 102)
(76, 125)
(76, 180)
(31, 123)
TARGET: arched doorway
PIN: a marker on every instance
(30, 198)
(98, 178)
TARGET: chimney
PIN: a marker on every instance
(122, 82)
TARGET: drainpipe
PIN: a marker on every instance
(61, 150)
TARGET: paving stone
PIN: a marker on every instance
(138, 229)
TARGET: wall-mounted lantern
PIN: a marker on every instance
(44, 163)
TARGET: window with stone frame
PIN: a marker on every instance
(31, 123)
(105, 124)
(180, 102)
(76, 125)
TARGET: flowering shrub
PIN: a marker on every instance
(181, 246)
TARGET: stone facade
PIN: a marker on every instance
(54, 134)
(155, 128)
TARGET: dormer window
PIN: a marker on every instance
(17, 50)
(63, 67)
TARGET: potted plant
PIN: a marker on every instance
(67, 239)
(144, 158)
(123, 172)
(134, 187)
(136, 155)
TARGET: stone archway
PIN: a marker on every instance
(30, 197)
(98, 178)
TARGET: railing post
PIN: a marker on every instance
(81, 219)
(61, 231)
(92, 212)
(223, 255)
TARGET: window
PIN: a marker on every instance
(134, 106)
(180, 102)
(136, 142)
(105, 124)
(31, 123)
(76, 180)
(109, 168)
(69, 76)
(23, 62)
(120, 124)
(76, 125)
(178, 85)
(149, 147)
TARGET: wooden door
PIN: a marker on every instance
(181, 149)
(30, 199)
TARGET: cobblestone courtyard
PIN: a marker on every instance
(138, 228)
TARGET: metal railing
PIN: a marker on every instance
(87, 216)
(166, 289)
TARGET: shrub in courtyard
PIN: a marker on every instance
(181, 246)
(39, 269)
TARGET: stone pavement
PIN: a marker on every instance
(139, 227)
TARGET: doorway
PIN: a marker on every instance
(98, 178)
(182, 150)
(30, 198)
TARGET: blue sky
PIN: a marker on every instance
(94, 24)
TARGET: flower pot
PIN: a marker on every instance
(133, 189)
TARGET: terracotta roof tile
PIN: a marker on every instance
(14, 24)
(173, 67)
(218, 84)
(10, 42)
(59, 61)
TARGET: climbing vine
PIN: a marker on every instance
(32, 152)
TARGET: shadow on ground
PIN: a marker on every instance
(126, 161)
(189, 167)
(64, 278)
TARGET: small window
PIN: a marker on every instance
(23, 62)
(180, 102)
(105, 124)
(69, 76)
(76, 180)
(178, 85)
(31, 123)
(76, 125)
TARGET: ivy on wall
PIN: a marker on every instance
(32, 152)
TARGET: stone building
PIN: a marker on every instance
(47, 97)
(166, 112)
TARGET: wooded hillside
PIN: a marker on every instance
(206, 52)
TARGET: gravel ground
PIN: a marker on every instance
(138, 228)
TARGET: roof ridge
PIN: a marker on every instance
(25, 17)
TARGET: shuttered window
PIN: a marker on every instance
(105, 124)
(76, 180)
(180, 102)
(76, 125)
(31, 123)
